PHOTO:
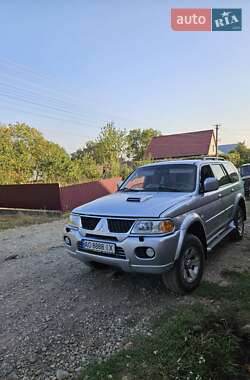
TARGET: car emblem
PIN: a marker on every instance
(102, 226)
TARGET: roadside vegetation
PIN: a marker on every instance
(28, 157)
(207, 340)
(20, 219)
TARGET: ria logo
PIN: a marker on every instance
(226, 19)
(206, 19)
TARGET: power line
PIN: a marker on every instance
(72, 105)
(24, 68)
(17, 97)
(33, 93)
(47, 116)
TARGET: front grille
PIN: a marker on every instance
(102, 237)
(89, 223)
(120, 225)
(119, 252)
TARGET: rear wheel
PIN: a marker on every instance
(187, 272)
(239, 223)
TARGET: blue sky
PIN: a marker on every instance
(67, 67)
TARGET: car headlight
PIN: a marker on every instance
(75, 220)
(153, 227)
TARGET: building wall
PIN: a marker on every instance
(212, 147)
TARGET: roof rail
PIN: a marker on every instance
(214, 158)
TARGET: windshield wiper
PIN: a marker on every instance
(126, 189)
(170, 189)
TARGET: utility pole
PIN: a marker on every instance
(216, 138)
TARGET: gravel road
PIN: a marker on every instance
(56, 314)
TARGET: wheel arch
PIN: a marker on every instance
(195, 226)
(241, 203)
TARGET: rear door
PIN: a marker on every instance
(224, 192)
(235, 186)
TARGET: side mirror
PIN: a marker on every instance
(210, 184)
(119, 185)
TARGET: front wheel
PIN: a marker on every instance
(187, 272)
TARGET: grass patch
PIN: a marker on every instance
(24, 219)
(198, 342)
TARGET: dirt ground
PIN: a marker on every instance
(56, 314)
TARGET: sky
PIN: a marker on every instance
(68, 67)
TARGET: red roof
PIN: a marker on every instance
(180, 145)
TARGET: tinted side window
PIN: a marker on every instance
(232, 171)
(220, 174)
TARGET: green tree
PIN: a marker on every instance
(240, 154)
(138, 141)
(234, 157)
(107, 150)
(88, 169)
(244, 153)
(54, 165)
(26, 156)
(111, 144)
(19, 152)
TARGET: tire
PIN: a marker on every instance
(239, 223)
(187, 272)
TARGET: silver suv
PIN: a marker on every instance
(165, 218)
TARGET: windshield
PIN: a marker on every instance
(169, 178)
(245, 170)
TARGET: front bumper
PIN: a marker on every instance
(164, 246)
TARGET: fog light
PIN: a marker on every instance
(67, 240)
(150, 252)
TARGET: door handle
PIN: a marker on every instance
(219, 195)
(232, 190)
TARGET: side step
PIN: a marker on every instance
(220, 236)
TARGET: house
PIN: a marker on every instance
(226, 148)
(182, 145)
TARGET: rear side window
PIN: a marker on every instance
(232, 171)
(221, 174)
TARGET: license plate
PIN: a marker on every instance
(97, 246)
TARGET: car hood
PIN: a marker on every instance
(133, 204)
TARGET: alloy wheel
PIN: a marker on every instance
(191, 265)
